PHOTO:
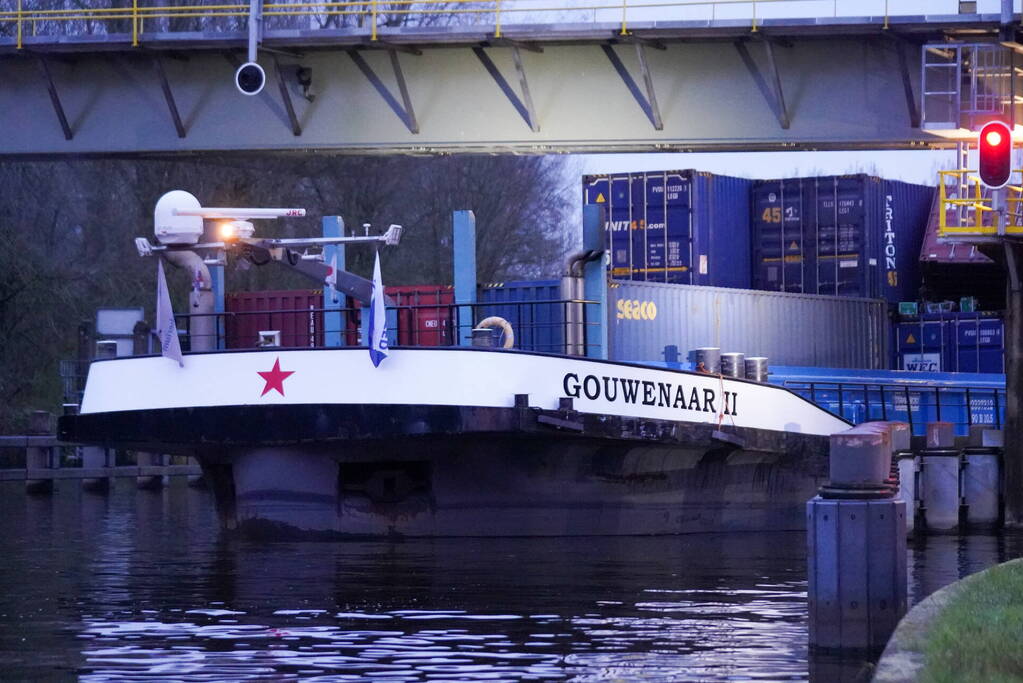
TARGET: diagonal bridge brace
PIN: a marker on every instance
(771, 91)
(168, 96)
(648, 102)
(523, 106)
(901, 44)
(404, 111)
(51, 88)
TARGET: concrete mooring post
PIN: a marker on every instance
(39, 457)
(856, 535)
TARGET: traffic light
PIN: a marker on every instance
(995, 145)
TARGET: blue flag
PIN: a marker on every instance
(377, 318)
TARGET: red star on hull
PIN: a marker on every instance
(275, 378)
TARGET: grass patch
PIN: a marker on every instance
(979, 635)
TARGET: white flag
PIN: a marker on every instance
(166, 330)
(377, 318)
(331, 278)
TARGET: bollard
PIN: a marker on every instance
(939, 489)
(733, 365)
(706, 359)
(40, 423)
(907, 465)
(940, 435)
(94, 458)
(979, 481)
(483, 337)
(857, 546)
(148, 482)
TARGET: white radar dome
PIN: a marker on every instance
(172, 229)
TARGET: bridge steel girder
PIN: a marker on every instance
(839, 93)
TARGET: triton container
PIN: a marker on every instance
(682, 227)
(852, 235)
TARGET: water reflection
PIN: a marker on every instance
(139, 585)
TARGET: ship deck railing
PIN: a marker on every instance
(962, 405)
(551, 325)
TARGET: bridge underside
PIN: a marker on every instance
(843, 85)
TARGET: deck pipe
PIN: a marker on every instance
(857, 545)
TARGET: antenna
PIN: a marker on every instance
(178, 218)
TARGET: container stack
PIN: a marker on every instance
(840, 236)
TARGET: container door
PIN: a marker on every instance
(922, 346)
(778, 219)
(842, 266)
(980, 345)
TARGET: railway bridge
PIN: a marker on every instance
(498, 76)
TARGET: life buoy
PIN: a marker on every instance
(499, 323)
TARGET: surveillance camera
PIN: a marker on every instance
(304, 76)
(250, 78)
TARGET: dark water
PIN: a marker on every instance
(140, 586)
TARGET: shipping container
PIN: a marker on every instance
(790, 329)
(533, 307)
(684, 227)
(421, 315)
(296, 314)
(854, 235)
(950, 342)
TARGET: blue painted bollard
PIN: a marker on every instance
(856, 535)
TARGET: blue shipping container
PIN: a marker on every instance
(680, 227)
(950, 342)
(538, 326)
(839, 235)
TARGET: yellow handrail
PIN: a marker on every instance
(372, 11)
(978, 219)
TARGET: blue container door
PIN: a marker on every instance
(721, 230)
(923, 346)
(841, 220)
(980, 345)
(780, 250)
(534, 309)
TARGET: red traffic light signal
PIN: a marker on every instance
(995, 144)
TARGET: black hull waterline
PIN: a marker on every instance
(476, 471)
(497, 444)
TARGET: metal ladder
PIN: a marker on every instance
(967, 84)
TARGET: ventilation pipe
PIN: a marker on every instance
(573, 289)
(202, 327)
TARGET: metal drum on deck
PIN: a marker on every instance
(939, 489)
(980, 486)
(709, 356)
(756, 368)
(733, 365)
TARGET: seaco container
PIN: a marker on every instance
(682, 227)
(950, 342)
(851, 235)
(790, 329)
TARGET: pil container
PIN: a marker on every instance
(854, 235)
(681, 227)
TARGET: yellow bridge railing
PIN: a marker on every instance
(965, 206)
(369, 14)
